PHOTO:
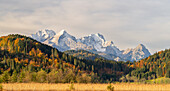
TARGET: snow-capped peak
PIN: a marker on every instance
(109, 43)
(43, 35)
(100, 36)
(127, 51)
(63, 32)
(137, 53)
(140, 46)
(47, 33)
(94, 40)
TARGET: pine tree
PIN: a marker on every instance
(56, 53)
(5, 60)
(92, 68)
(52, 54)
(8, 62)
(159, 72)
(139, 76)
(26, 46)
(75, 62)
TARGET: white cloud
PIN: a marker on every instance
(126, 22)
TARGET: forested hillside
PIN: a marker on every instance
(23, 59)
(82, 54)
(155, 66)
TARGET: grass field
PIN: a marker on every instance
(85, 87)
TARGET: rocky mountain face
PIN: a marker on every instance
(95, 43)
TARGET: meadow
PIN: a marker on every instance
(84, 87)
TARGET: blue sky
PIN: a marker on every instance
(126, 22)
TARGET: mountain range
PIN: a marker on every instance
(94, 43)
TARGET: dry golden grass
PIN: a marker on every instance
(85, 87)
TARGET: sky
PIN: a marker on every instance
(126, 22)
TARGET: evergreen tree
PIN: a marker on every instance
(5, 61)
(75, 62)
(55, 53)
(13, 65)
(92, 68)
(26, 46)
(159, 72)
(52, 54)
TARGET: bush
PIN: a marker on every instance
(110, 87)
(5, 77)
(72, 86)
(1, 87)
(52, 76)
(1, 79)
(41, 76)
(27, 77)
(22, 76)
(123, 79)
(69, 76)
(33, 76)
(83, 78)
(94, 78)
(14, 77)
(59, 77)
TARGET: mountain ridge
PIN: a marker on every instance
(95, 43)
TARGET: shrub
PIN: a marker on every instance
(1, 87)
(14, 77)
(52, 76)
(27, 77)
(1, 79)
(110, 87)
(83, 78)
(5, 77)
(22, 76)
(72, 86)
(123, 79)
(41, 76)
(69, 76)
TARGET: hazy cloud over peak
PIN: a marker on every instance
(126, 22)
